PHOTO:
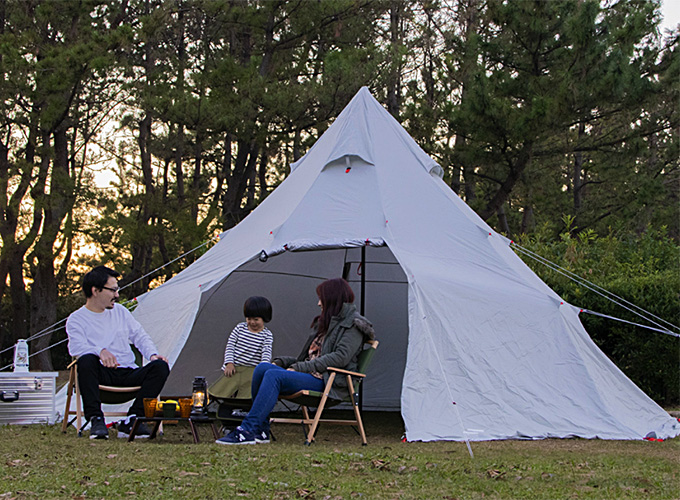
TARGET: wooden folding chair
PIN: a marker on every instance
(107, 394)
(321, 400)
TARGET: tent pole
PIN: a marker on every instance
(362, 307)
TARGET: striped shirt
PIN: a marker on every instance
(245, 348)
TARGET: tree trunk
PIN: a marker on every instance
(43, 313)
(394, 78)
(179, 147)
(13, 248)
(179, 169)
(18, 295)
(528, 222)
(577, 176)
(427, 71)
(4, 229)
(4, 173)
(16, 249)
(44, 293)
(296, 146)
(262, 174)
(503, 221)
(224, 177)
(501, 196)
(246, 159)
(196, 181)
(471, 24)
(141, 247)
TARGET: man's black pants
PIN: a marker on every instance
(91, 373)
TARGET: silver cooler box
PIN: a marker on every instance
(27, 398)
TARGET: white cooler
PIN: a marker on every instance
(27, 397)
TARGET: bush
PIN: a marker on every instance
(638, 269)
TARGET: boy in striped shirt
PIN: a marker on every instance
(249, 344)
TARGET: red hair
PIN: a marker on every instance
(333, 294)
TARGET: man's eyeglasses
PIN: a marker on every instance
(114, 290)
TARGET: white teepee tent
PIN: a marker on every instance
(473, 345)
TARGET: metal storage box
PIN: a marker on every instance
(35, 401)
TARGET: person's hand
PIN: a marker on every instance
(108, 359)
(229, 370)
(158, 356)
(291, 369)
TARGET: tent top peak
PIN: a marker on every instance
(354, 134)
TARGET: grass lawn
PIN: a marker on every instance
(39, 462)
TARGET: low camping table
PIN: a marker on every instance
(193, 422)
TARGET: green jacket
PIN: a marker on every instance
(347, 333)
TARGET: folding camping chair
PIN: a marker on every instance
(224, 411)
(229, 394)
(321, 400)
(107, 394)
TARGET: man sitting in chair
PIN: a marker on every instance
(99, 335)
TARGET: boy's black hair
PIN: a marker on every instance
(97, 278)
(258, 307)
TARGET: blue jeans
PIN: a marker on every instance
(268, 382)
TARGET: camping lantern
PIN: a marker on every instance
(21, 356)
(199, 395)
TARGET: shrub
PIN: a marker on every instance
(639, 269)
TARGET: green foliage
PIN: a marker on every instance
(639, 270)
(213, 100)
(543, 108)
(226, 87)
(55, 94)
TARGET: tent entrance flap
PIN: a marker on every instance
(289, 281)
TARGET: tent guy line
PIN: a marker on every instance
(597, 289)
(667, 332)
(52, 328)
(172, 261)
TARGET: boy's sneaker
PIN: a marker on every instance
(262, 437)
(98, 429)
(238, 436)
(125, 427)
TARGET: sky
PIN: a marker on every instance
(671, 13)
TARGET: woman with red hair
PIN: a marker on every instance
(338, 336)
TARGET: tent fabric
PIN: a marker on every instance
(473, 345)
